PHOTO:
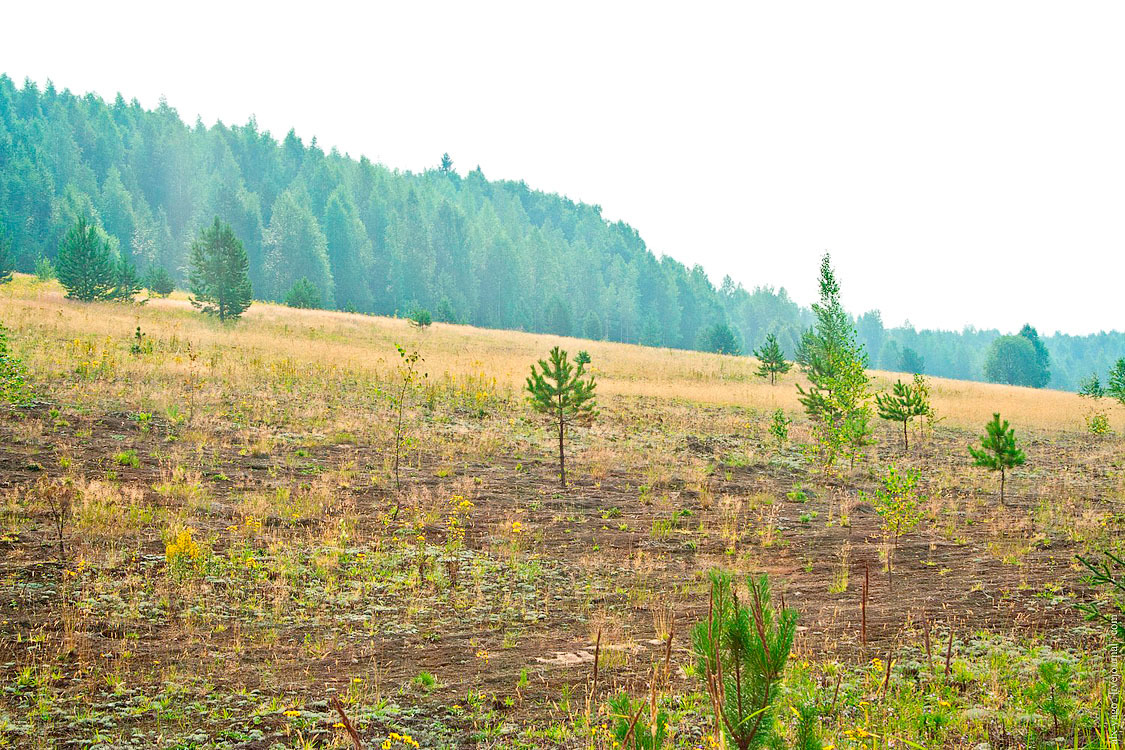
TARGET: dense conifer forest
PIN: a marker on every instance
(377, 240)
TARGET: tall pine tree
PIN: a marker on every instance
(85, 263)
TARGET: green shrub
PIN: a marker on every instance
(13, 376)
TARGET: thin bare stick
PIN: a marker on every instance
(948, 652)
(348, 727)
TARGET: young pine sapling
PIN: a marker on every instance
(998, 450)
(902, 404)
(561, 391)
(771, 359)
(742, 650)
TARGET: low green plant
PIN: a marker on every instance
(1097, 423)
(636, 726)
(13, 375)
(421, 318)
(127, 458)
(897, 505)
(741, 651)
(45, 270)
(779, 428)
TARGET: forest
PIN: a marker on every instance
(359, 236)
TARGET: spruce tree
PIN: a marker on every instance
(217, 275)
(771, 359)
(85, 263)
(560, 391)
(998, 450)
(902, 404)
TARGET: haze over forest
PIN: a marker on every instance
(377, 240)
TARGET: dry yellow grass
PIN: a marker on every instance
(364, 345)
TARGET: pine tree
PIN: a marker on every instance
(998, 451)
(85, 263)
(217, 275)
(742, 650)
(902, 404)
(1115, 384)
(159, 281)
(7, 256)
(1092, 387)
(303, 294)
(560, 391)
(720, 339)
(446, 163)
(771, 359)
(126, 284)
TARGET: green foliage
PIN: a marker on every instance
(409, 372)
(1052, 690)
(1042, 370)
(303, 294)
(296, 248)
(1018, 360)
(808, 728)
(1107, 575)
(897, 504)
(1115, 385)
(911, 361)
(582, 358)
(45, 270)
(159, 282)
(834, 363)
(560, 390)
(217, 274)
(126, 284)
(421, 318)
(86, 267)
(720, 339)
(1097, 423)
(634, 728)
(904, 403)
(742, 650)
(13, 376)
(7, 256)
(779, 428)
(771, 359)
(380, 240)
(998, 450)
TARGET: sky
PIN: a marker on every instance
(963, 162)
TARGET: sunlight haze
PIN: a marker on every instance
(961, 161)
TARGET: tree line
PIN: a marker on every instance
(322, 229)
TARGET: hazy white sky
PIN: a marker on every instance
(964, 162)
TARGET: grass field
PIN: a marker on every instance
(235, 552)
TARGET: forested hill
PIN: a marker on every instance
(371, 239)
